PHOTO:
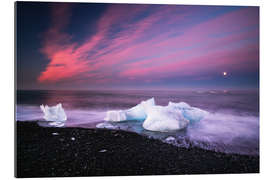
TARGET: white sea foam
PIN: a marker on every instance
(226, 128)
(222, 132)
(28, 113)
(225, 131)
(76, 117)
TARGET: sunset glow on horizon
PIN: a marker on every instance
(110, 45)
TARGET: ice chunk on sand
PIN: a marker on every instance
(135, 113)
(170, 139)
(193, 114)
(55, 115)
(164, 119)
(103, 150)
(106, 126)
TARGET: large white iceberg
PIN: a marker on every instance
(164, 119)
(174, 116)
(54, 115)
(135, 113)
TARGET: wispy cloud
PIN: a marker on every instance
(141, 42)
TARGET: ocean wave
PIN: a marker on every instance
(223, 131)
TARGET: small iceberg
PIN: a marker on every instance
(54, 115)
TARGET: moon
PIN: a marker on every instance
(224, 73)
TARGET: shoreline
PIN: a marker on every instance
(70, 152)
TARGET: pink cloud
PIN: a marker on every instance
(67, 61)
(142, 50)
(213, 62)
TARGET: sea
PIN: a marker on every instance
(232, 125)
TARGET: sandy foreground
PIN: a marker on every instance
(65, 152)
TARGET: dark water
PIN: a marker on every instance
(232, 126)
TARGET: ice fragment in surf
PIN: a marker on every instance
(135, 113)
(193, 114)
(106, 126)
(170, 139)
(55, 115)
(103, 150)
(164, 119)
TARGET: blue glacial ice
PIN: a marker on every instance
(135, 113)
(54, 115)
(174, 116)
(193, 114)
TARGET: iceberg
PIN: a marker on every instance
(193, 114)
(54, 115)
(135, 113)
(164, 119)
(174, 116)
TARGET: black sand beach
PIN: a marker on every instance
(62, 152)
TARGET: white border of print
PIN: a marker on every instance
(7, 88)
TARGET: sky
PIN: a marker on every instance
(131, 46)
